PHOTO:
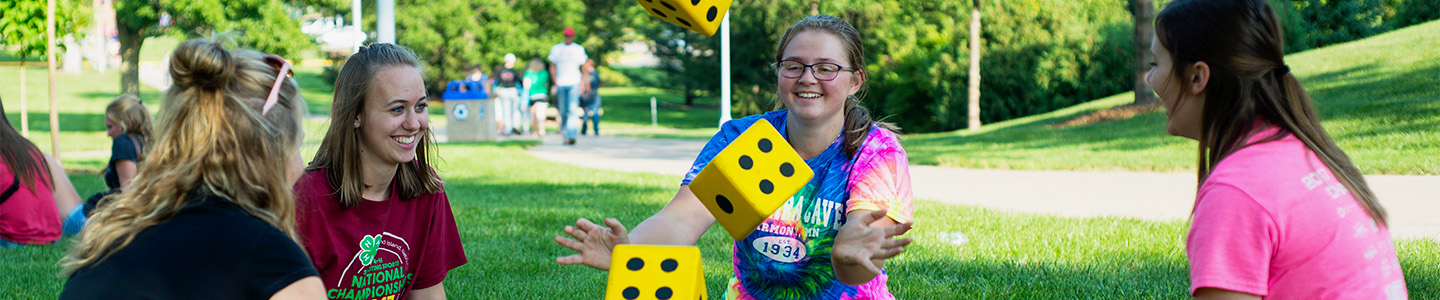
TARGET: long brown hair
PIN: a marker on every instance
(1242, 42)
(857, 118)
(339, 152)
(129, 113)
(21, 156)
(213, 139)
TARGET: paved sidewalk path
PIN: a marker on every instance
(1410, 200)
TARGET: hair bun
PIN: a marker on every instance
(201, 63)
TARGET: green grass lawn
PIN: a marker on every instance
(1377, 97)
(509, 206)
(627, 112)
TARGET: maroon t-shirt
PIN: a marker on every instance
(379, 248)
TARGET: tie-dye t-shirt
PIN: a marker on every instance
(788, 255)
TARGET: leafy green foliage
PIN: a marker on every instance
(1411, 12)
(262, 25)
(22, 25)
(1036, 58)
(690, 60)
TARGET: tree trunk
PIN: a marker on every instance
(1143, 12)
(130, 42)
(689, 95)
(24, 111)
(974, 93)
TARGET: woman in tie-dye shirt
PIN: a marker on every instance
(835, 233)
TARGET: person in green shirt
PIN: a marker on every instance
(537, 86)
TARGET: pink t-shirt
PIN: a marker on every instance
(1273, 221)
(29, 216)
(378, 249)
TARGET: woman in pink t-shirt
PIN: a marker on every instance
(373, 215)
(1281, 211)
(35, 194)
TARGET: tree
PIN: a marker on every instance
(690, 60)
(603, 20)
(1144, 16)
(22, 26)
(258, 24)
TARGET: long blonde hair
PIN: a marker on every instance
(214, 139)
(339, 153)
(129, 113)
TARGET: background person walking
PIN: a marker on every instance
(565, 59)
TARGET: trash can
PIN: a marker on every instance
(470, 113)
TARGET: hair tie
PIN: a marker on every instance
(1283, 69)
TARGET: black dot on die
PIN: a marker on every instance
(710, 15)
(786, 169)
(664, 293)
(630, 293)
(682, 21)
(694, 2)
(657, 12)
(765, 145)
(667, 5)
(635, 264)
(766, 187)
(724, 204)
(669, 265)
(746, 162)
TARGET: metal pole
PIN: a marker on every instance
(725, 68)
(385, 21)
(50, 48)
(654, 122)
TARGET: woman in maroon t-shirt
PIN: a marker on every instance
(372, 213)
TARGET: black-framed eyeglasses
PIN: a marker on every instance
(823, 71)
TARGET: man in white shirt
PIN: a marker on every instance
(565, 60)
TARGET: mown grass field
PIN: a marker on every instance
(509, 206)
(1377, 98)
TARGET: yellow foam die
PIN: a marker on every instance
(750, 179)
(655, 272)
(701, 16)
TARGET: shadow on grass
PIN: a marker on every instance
(1391, 102)
(82, 122)
(1103, 278)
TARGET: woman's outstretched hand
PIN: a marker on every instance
(860, 250)
(593, 242)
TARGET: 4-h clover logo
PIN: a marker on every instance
(369, 247)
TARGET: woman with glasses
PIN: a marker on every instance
(210, 215)
(373, 214)
(845, 219)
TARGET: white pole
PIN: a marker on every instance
(653, 121)
(725, 68)
(355, 9)
(385, 21)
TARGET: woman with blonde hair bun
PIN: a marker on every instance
(210, 215)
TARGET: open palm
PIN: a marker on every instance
(593, 243)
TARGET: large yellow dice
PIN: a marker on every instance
(750, 179)
(655, 272)
(701, 16)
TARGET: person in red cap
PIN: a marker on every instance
(565, 59)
